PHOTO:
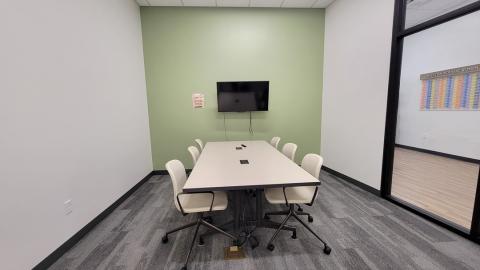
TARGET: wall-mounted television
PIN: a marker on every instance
(242, 96)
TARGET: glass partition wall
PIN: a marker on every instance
(432, 142)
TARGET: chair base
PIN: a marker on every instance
(199, 222)
(251, 238)
(223, 226)
(299, 212)
(295, 214)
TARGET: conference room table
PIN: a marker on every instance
(236, 166)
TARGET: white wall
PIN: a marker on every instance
(446, 46)
(357, 58)
(73, 119)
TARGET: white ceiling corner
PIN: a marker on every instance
(322, 3)
(143, 3)
(165, 2)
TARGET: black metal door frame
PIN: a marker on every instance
(398, 35)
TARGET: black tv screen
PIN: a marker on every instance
(242, 96)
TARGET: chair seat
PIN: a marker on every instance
(294, 195)
(200, 202)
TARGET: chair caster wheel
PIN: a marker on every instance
(327, 250)
(294, 235)
(300, 209)
(201, 242)
(266, 217)
(165, 239)
(270, 247)
(310, 219)
(184, 268)
(209, 219)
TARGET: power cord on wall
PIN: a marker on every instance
(250, 129)
(225, 126)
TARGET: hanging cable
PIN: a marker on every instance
(225, 126)
(250, 129)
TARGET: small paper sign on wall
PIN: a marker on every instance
(198, 101)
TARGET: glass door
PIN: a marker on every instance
(432, 143)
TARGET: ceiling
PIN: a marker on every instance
(239, 3)
(419, 11)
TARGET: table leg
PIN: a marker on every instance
(236, 213)
(259, 206)
(260, 222)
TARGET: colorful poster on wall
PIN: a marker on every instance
(453, 89)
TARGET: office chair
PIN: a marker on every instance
(200, 144)
(188, 203)
(312, 166)
(296, 195)
(275, 141)
(289, 150)
(194, 153)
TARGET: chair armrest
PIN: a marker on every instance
(192, 193)
(310, 203)
(314, 195)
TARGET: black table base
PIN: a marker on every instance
(258, 222)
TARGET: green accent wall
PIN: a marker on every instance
(187, 50)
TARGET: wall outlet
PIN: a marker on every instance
(68, 207)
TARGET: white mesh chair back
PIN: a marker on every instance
(275, 141)
(200, 144)
(177, 173)
(312, 163)
(194, 153)
(289, 150)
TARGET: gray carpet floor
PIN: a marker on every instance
(364, 231)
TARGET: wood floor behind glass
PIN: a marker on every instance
(440, 185)
(364, 231)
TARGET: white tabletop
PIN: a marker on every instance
(219, 168)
